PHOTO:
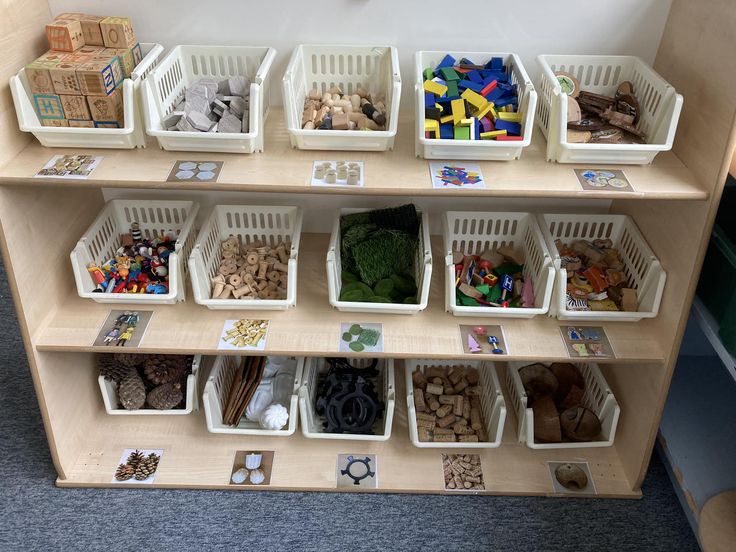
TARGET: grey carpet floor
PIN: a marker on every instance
(35, 515)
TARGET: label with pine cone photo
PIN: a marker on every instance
(137, 466)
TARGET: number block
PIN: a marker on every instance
(65, 35)
(117, 32)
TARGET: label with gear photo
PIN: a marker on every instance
(137, 466)
(357, 471)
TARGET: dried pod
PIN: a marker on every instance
(580, 424)
(538, 381)
(567, 375)
(571, 476)
(546, 421)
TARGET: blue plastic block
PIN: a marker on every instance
(506, 100)
(447, 131)
(474, 76)
(474, 86)
(429, 99)
(494, 94)
(478, 129)
(447, 61)
(513, 129)
(445, 102)
(496, 64)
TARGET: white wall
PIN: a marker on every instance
(526, 27)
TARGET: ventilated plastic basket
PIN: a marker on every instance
(155, 217)
(659, 102)
(430, 148)
(130, 136)
(374, 68)
(109, 391)
(641, 266)
(250, 223)
(217, 389)
(597, 396)
(492, 403)
(313, 425)
(182, 67)
(473, 233)
(422, 273)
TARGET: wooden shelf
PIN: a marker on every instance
(396, 173)
(312, 328)
(195, 458)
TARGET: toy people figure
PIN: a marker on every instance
(122, 319)
(111, 336)
(133, 319)
(125, 336)
(123, 266)
(98, 276)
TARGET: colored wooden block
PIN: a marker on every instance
(117, 32)
(487, 124)
(493, 112)
(452, 89)
(48, 106)
(466, 122)
(446, 119)
(462, 133)
(494, 94)
(488, 87)
(107, 124)
(429, 99)
(449, 74)
(509, 139)
(509, 116)
(99, 77)
(64, 35)
(432, 113)
(492, 134)
(64, 78)
(39, 75)
(432, 127)
(447, 132)
(81, 123)
(75, 107)
(137, 54)
(106, 108)
(428, 74)
(72, 16)
(435, 87)
(475, 76)
(509, 127)
(465, 84)
(496, 64)
(54, 122)
(458, 110)
(91, 30)
(474, 99)
(481, 113)
(447, 61)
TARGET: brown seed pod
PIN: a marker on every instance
(538, 381)
(567, 375)
(580, 424)
(546, 421)
(571, 476)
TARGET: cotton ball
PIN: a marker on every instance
(240, 476)
(274, 417)
(257, 477)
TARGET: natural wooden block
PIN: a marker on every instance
(39, 75)
(75, 107)
(83, 55)
(64, 78)
(91, 30)
(137, 53)
(99, 77)
(54, 123)
(107, 124)
(64, 35)
(125, 57)
(79, 123)
(71, 16)
(117, 32)
(106, 108)
(48, 106)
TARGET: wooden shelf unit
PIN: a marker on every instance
(674, 205)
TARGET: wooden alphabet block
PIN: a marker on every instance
(137, 54)
(91, 30)
(39, 75)
(64, 35)
(48, 106)
(79, 123)
(83, 55)
(117, 32)
(54, 122)
(125, 57)
(64, 78)
(106, 108)
(75, 107)
(99, 78)
(71, 16)
(107, 124)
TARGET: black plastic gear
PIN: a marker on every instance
(357, 479)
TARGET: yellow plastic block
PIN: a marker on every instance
(466, 122)
(446, 119)
(432, 126)
(492, 134)
(483, 112)
(438, 106)
(474, 99)
(494, 113)
(435, 87)
(458, 110)
(513, 117)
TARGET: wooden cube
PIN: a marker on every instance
(137, 54)
(80, 123)
(54, 123)
(106, 108)
(71, 16)
(91, 30)
(117, 32)
(64, 78)
(64, 35)
(75, 107)
(99, 77)
(48, 106)
(83, 55)
(107, 124)
(39, 76)
(125, 57)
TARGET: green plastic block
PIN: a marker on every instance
(428, 73)
(484, 289)
(449, 74)
(462, 133)
(452, 89)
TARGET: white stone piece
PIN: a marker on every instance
(274, 417)
(261, 399)
(207, 166)
(199, 121)
(172, 118)
(239, 86)
(229, 124)
(223, 87)
(238, 106)
(184, 125)
(257, 477)
(205, 175)
(245, 125)
(184, 175)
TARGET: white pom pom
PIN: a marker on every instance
(274, 417)
(257, 477)
(240, 476)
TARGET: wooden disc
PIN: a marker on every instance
(717, 528)
(568, 83)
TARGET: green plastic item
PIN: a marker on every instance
(357, 346)
(352, 296)
(404, 284)
(465, 301)
(495, 295)
(384, 287)
(485, 289)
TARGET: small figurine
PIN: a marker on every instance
(135, 232)
(111, 336)
(493, 342)
(98, 276)
(122, 265)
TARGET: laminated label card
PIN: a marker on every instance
(357, 471)
(138, 466)
(349, 174)
(571, 478)
(603, 179)
(195, 171)
(252, 467)
(456, 175)
(123, 328)
(363, 337)
(244, 335)
(75, 167)
(463, 472)
(483, 339)
(586, 341)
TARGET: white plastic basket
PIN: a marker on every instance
(155, 217)
(641, 266)
(597, 396)
(217, 389)
(109, 391)
(265, 224)
(659, 102)
(312, 424)
(476, 232)
(130, 136)
(430, 148)
(182, 67)
(422, 273)
(492, 403)
(374, 68)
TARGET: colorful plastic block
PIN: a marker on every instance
(435, 87)
(462, 133)
(446, 131)
(492, 134)
(474, 99)
(458, 110)
(447, 61)
(449, 74)
(452, 89)
(509, 127)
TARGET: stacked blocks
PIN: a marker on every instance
(78, 82)
(466, 101)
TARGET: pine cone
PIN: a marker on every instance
(154, 459)
(135, 458)
(132, 392)
(165, 397)
(146, 469)
(111, 369)
(129, 359)
(124, 472)
(162, 369)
